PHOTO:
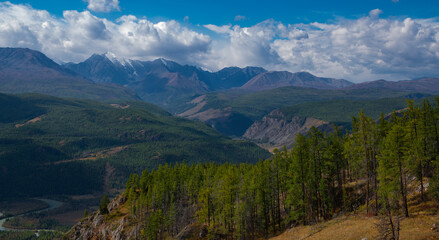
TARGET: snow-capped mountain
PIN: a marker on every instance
(24, 70)
(160, 81)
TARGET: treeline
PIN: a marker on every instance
(373, 167)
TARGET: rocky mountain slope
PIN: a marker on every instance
(24, 70)
(275, 130)
(99, 226)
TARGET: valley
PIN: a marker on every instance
(197, 152)
(327, 186)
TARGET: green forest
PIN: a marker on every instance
(247, 107)
(371, 168)
(51, 145)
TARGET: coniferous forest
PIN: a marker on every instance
(369, 168)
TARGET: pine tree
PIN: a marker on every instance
(298, 197)
(103, 209)
(393, 168)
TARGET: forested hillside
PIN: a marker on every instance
(340, 111)
(51, 145)
(371, 169)
(233, 112)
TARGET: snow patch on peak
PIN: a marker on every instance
(164, 61)
(118, 60)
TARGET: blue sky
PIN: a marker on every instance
(255, 11)
(355, 40)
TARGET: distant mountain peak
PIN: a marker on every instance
(24, 58)
(276, 79)
(115, 59)
(164, 61)
(23, 70)
(424, 85)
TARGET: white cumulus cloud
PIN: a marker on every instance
(375, 13)
(361, 49)
(245, 46)
(366, 48)
(77, 35)
(219, 29)
(103, 5)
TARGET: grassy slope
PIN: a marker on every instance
(44, 156)
(359, 226)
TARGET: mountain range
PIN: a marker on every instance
(163, 82)
(230, 100)
(75, 145)
(24, 70)
(425, 85)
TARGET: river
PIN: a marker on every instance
(52, 204)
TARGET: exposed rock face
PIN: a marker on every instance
(97, 226)
(278, 131)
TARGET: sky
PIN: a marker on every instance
(354, 40)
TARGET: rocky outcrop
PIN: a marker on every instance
(274, 130)
(114, 226)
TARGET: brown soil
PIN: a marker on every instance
(30, 121)
(120, 106)
(95, 155)
(417, 227)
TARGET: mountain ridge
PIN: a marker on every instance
(164, 82)
(424, 84)
(276, 79)
(24, 70)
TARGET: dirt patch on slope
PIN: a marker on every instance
(34, 120)
(120, 106)
(96, 155)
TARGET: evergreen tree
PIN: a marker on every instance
(103, 208)
(393, 168)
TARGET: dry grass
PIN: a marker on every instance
(417, 227)
(357, 227)
(351, 227)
